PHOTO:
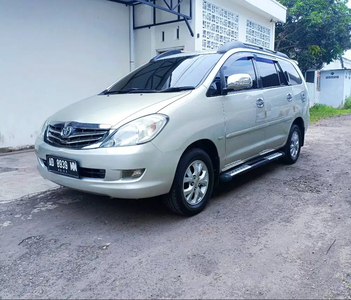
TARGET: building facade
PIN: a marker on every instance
(56, 52)
(331, 85)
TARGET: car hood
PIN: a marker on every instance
(114, 109)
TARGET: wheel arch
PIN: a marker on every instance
(210, 148)
(300, 123)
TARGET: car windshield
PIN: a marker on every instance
(167, 75)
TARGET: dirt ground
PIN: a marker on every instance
(277, 232)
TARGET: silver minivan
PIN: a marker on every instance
(178, 125)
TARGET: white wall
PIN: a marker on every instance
(332, 88)
(333, 91)
(53, 53)
(347, 84)
(312, 93)
(241, 9)
(144, 43)
(149, 40)
(273, 8)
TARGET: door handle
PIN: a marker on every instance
(260, 103)
(289, 97)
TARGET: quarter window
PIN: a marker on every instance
(290, 72)
(268, 72)
(282, 78)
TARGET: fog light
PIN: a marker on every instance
(132, 174)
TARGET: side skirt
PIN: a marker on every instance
(250, 165)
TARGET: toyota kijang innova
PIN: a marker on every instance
(178, 125)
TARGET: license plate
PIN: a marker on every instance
(63, 166)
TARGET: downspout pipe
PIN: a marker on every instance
(342, 61)
(131, 37)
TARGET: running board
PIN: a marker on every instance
(250, 165)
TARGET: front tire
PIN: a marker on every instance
(293, 145)
(193, 184)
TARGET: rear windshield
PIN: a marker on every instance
(167, 74)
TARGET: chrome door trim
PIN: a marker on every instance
(286, 119)
(237, 133)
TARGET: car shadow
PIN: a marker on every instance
(245, 179)
(105, 209)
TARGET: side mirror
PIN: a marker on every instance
(238, 82)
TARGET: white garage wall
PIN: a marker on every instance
(53, 53)
(148, 41)
(332, 88)
(245, 14)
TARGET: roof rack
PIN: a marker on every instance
(164, 54)
(236, 44)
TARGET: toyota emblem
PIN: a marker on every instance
(66, 131)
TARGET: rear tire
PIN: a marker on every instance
(292, 147)
(193, 184)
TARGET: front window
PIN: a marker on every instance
(234, 65)
(167, 75)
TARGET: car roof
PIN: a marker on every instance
(222, 50)
(179, 53)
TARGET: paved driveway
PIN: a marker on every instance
(279, 232)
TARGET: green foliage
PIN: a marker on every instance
(347, 104)
(314, 50)
(322, 111)
(316, 31)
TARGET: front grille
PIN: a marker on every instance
(80, 135)
(86, 172)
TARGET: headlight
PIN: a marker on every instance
(43, 129)
(137, 132)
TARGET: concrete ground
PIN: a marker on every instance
(277, 232)
(19, 176)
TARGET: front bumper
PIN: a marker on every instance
(157, 179)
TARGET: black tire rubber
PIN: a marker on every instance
(175, 200)
(288, 159)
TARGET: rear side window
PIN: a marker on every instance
(290, 72)
(268, 72)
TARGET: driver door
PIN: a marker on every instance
(244, 112)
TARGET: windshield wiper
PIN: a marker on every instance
(129, 91)
(138, 90)
(178, 89)
(106, 92)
